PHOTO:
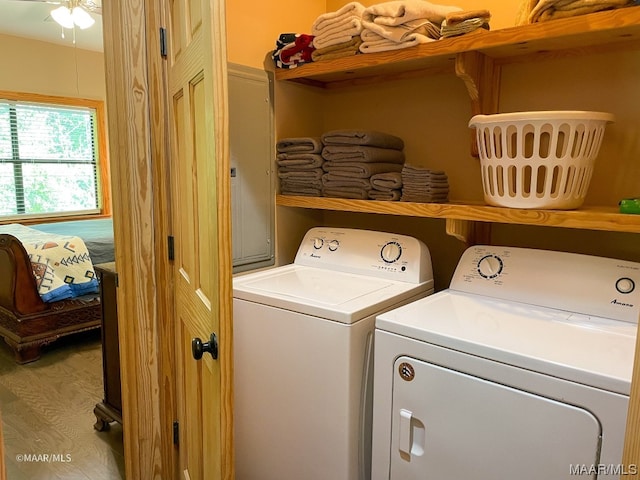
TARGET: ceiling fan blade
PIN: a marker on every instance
(53, 2)
(92, 6)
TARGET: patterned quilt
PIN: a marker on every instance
(61, 264)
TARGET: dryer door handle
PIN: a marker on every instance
(411, 434)
(404, 431)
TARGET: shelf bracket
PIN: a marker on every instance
(469, 232)
(481, 76)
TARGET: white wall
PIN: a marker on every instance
(49, 69)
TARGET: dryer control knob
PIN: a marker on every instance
(490, 266)
(391, 252)
(625, 285)
(317, 243)
(333, 245)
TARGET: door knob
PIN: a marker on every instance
(198, 347)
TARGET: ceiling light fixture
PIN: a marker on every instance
(70, 18)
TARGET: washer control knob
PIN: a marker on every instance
(490, 266)
(333, 245)
(625, 285)
(391, 252)
(317, 243)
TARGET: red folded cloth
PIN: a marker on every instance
(299, 51)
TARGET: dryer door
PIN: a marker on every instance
(447, 424)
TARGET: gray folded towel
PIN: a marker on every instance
(299, 144)
(420, 182)
(330, 180)
(386, 181)
(347, 192)
(361, 169)
(424, 198)
(299, 160)
(389, 195)
(428, 189)
(300, 175)
(371, 138)
(424, 185)
(411, 171)
(303, 191)
(293, 184)
(361, 153)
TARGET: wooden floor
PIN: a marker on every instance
(47, 415)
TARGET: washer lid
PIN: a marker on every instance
(589, 350)
(343, 297)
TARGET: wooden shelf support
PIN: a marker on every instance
(469, 232)
(481, 76)
(460, 229)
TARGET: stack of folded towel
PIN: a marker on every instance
(459, 23)
(401, 24)
(424, 185)
(386, 186)
(300, 166)
(337, 34)
(532, 11)
(293, 49)
(354, 157)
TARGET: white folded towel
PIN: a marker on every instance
(398, 12)
(402, 32)
(372, 42)
(329, 20)
(338, 27)
(343, 32)
(532, 11)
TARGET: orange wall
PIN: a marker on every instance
(253, 27)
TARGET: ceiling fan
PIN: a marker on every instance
(73, 13)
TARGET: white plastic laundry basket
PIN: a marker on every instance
(538, 159)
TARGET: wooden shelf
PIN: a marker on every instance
(588, 218)
(477, 59)
(591, 33)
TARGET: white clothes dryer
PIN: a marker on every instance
(521, 369)
(302, 351)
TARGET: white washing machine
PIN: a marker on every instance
(521, 369)
(302, 348)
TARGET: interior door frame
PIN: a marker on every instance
(137, 110)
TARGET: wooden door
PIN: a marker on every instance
(201, 223)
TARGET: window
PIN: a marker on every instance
(51, 157)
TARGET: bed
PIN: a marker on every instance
(27, 322)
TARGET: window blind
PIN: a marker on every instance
(48, 160)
